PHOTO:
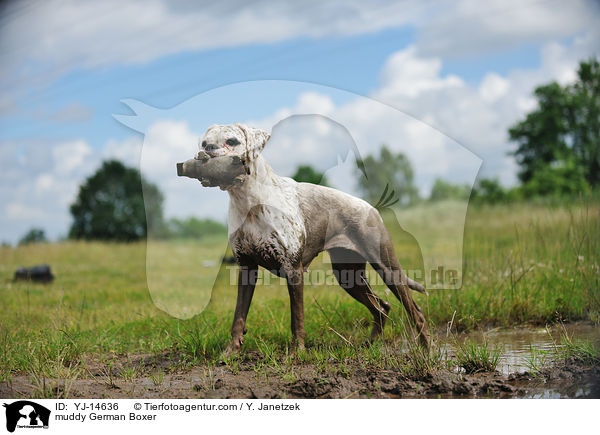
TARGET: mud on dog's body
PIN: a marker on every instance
(282, 225)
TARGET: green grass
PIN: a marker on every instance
(533, 264)
(475, 358)
(523, 264)
(582, 352)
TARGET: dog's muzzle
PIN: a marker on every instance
(222, 171)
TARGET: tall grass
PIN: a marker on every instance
(474, 358)
(531, 264)
(582, 352)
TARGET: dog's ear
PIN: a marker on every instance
(256, 140)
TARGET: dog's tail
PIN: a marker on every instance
(414, 285)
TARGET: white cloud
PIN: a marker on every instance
(19, 211)
(127, 151)
(165, 144)
(44, 183)
(370, 124)
(70, 155)
(407, 75)
(470, 27)
(308, 102)
(314, 102)
(311, 139)
(493, 87)
(41, 183)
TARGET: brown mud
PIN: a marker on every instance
(163, 376)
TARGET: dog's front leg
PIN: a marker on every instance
(295, 282)
(247, 276)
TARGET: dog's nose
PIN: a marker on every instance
(210, 147)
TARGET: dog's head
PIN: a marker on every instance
(226, 155)
(234, 140)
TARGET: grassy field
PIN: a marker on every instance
(523, 264)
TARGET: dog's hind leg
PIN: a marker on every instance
(388, 267)
(349, 270)
(247, 276)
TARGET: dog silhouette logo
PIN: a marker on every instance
(328, 128)
(26, 414)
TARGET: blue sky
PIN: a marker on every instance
(350, 63)
(463, 69)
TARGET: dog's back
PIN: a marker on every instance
(334, 219)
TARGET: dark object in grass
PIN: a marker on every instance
(229, 260)
(40, 273)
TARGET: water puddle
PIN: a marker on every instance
(590, 390)
(517, 345)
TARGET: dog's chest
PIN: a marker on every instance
(271, 231)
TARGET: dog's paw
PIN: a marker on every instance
(234, 346)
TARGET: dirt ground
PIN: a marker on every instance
(564, 379)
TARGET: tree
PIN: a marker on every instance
(110, 205)
(489, 190)
(34, 235)
(583, 118)
(307, 174)
(557, 179)
(541, 136)
(443, 190)
(390, 173)
(563, 132)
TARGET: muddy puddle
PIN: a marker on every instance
(520, 347)
(517, 344)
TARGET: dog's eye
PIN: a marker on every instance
(203, 144)
(232, 142)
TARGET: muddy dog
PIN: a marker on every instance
(282, 225)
